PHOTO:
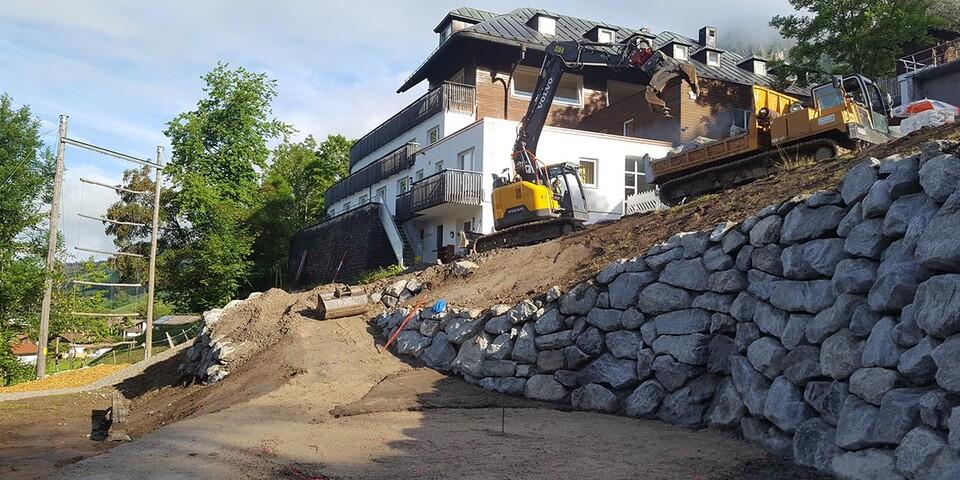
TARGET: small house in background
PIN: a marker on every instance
(930, 70)
(138, 328)
(25, 350)
(79, 346)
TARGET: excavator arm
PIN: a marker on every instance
(633, 53)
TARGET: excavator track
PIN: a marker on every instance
(738, 172)
(527, 234)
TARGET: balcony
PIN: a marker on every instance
(450, 189)
(941, 54)
(390, 164)
(449, 97)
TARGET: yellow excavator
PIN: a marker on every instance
(539, 202)
(845, 114)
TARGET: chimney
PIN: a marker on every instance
(708, 37)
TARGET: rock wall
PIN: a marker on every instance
(827, 327)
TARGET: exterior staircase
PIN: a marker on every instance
(409, 257)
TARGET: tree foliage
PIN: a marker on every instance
(218, 149)
(135, 208)
(844, 36)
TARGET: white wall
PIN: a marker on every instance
(27, 359)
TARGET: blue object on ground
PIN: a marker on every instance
(440, 306)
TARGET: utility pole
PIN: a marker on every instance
(148, 347)
(51, 253)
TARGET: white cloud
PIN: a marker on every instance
(91, 200)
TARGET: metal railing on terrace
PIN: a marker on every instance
(390, 164)
(449, 97)
(941, 54)
(449, 186)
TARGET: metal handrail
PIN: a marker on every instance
(937, 55)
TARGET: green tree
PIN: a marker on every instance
(292, 190)
(842, 36)
(135, 208)
(218, 149)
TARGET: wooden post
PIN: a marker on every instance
(51, 253)
(170, 340)
(151, 275)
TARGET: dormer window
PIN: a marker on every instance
(446, 32)
(755, 65)
(681, 52)
(605, 35)
(713, 58)
(760, 68)
(545, 24)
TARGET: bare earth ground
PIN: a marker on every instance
(322, 403)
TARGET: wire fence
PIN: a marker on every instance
(131, 351)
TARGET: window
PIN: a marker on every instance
(419, 175)
(438, 167)
(433, 135)
(681, 52)
(403, 185)
(760, 68)
(465, 160)
(741, 118)
(568, 92)
(628, 128)
(713, 58)
(363, 199)
(382, 193)
(547, 25)
(634, 180)
(605, 35)
(588, 171)
(445, 33)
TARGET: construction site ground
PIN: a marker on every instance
(320, 401)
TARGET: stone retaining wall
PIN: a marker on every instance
(827, 327)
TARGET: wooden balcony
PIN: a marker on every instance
(449, 97)
(457, 187)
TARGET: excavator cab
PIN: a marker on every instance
(858, 93)
(558, 194)
(568, 190)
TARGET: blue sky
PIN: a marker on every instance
(122, 69)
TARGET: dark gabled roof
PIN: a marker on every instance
(466, 13)
(512, 29)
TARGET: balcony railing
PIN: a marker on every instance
(943, 53)
(449, 97)
(390, 164)
(449, 186)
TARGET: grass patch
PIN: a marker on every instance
(380, 274)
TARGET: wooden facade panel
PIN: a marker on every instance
(490, 96)
(711, 114)
(645, 123)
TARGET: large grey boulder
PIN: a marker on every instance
(802, 364)
(948, 368)
(827, 398)
(440, 353)
(766, 356)
(867, 239)
(507, 385)
(721, 230)
(499, 348)
(716, 259)
(721, 348)
(632, 319)
(761, 283)
(853, 216)
(744, 307)
(606, 319)
(938, 247)
(878, 200)
(550, 360)
(953, 424)
(743, 260)
(814, 444)
(595, 398)
(661, 298)
(940, 176)
(784, 405)
(809, 296)
(687, 405)
(694, 243)
(726, 408)
(856, 424)
(919, 221)
(935, 407)
(544, 387)
(691, 349)
(880, 349)
(924, 453)
(898, 276)
(617, 373)
(901, 212)
(768, 259)
(766, 231)
(813, 259)
(714, 302)
(804, 223)
(857, 182)
(916, 364)
(822, 198)
(746, 334)
(841, 354)
(770, 319)
(683, 322)
(900, 413)
(660, 260)
(690, 274)
(611, 271)
(579, 300)
(524, 347)
(591, 341)
(863, 321)
(551, 321)
(673, 374)
(648, 331)
(554, 340)
(645, 399)
(625, 290)
(470, 357)
(645, 358)
(937, 305)
(838, 316)
(498, 368)
(733, 240)
(459, 328)
(871, 384)
(722, 323)
(522, 312)
(411, 342)
(753, 386)
(903, 174)
(574, 358)
(872, 464)
(907, 333)
(727, 281)
(795, 330)
(498, 325)
(623, 343)
(766, 434)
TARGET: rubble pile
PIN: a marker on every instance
(826, 326)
